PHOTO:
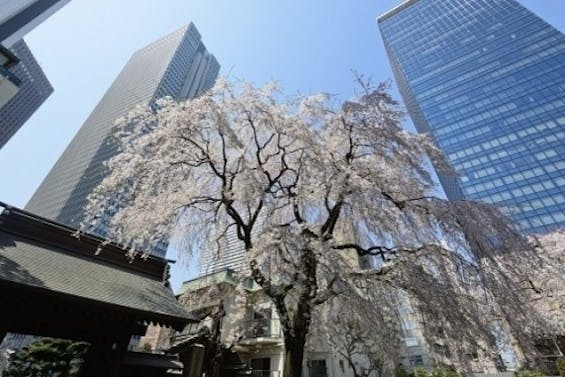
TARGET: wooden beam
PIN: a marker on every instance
(59, 237)
(41, 308)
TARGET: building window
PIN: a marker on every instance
(416, 360)
(261, 367)
(412, 342)
(317, 368)
(408, 324)
(260, 325)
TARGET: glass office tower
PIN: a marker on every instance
(486, 79)
(177, 65)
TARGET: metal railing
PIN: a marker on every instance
(262, 328)
(188, 332)
(265, 373)
(252, 329)
(495, 374)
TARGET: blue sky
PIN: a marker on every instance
(307, 45)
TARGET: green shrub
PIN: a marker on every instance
(146, 347)
(443, 372)
(419, 372)
(436, 372)
(560, 364)
(48, 357)
(401, 372)
(530, 373)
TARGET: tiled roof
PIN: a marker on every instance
(40, 263)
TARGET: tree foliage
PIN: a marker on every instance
(48, 357)
(307, 187)
(435, 372)
(369, 347)
(560, 365)
(547, 289)
(530, 373)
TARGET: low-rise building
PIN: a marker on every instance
(251, 329)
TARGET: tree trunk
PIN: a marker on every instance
(295, 334)
(293, 355)
(214, 348)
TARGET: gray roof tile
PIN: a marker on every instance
(49, 267)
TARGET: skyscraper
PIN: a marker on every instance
(18, 17)
(486, 78)
(231, 255)
(9, 83)
(177, 65)
(23, 85)
(33, 88)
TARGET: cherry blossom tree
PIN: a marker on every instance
(308, 186)
(547, 288)
(369, 347)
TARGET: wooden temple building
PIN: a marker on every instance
(54, 284)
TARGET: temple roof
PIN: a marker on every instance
(39, 254)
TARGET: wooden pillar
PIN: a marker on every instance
(192, 361)
(184, 358)
(119, 351)
(105, 355)
(96, 359)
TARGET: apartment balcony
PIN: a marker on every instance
(261, 332)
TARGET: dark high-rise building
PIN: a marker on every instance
(9, 83)
(33, 88)
(486, 79)
(23, 85)
(177, 65)
(18, 17)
